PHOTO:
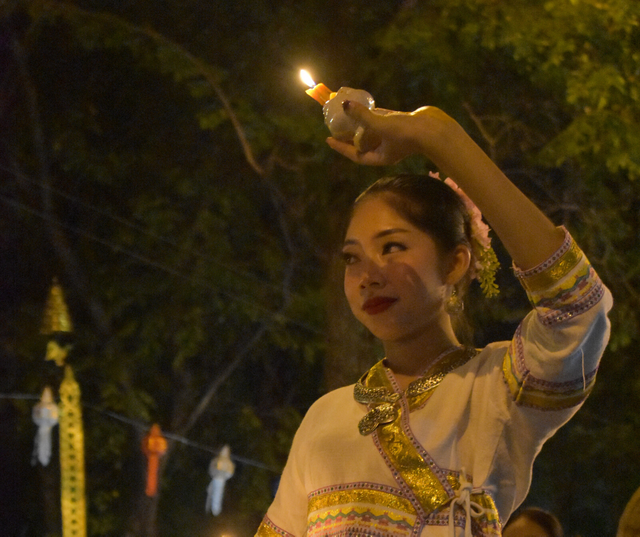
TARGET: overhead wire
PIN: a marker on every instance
(141, 258)
(143, 426)
(276, 316)
(139, 228)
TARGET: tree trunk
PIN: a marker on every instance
(143, 518)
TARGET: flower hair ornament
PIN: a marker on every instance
(485, 263)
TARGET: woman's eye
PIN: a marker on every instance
(348, 258)
(392, 247)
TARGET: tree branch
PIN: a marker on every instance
(201, 67)
(58, 240)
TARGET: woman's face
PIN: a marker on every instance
(394, 279)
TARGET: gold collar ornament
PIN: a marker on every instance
(387, 402)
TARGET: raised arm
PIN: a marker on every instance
(527, 234)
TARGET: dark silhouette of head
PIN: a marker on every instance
(533, 522)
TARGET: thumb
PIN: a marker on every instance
(359, 112)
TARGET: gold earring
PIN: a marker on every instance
(454, 305)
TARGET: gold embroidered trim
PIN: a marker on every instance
(552, 275)
(365, 395)
(490, 509)
(387, 400)
(525, 395)
(266, 530)
(490, 521)
(418, 473)
(335, 499)
(379, 415)
(413, 469)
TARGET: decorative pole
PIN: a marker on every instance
(74, 516)
(72, 477)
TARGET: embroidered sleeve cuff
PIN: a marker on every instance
(564, 286)
(551, 271)
(527, 390)
(269, 529)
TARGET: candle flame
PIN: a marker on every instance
(306, 78)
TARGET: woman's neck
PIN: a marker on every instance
(411, 357)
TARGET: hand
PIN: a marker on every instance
(392, 136)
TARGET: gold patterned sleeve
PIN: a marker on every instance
(553, 358)
(564, 286)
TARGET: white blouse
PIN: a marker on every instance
(470, 443)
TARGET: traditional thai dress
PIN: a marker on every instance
(451, 455)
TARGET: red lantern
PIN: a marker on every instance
(154, 445)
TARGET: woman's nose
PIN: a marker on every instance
(372, 275)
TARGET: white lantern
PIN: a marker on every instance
(221, 470)
(45, 416)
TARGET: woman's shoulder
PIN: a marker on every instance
(335, 397)
(335, 406)
(489, 355)
(495, 347)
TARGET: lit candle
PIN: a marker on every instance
(319, 92)
(341, 126)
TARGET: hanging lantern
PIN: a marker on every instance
(45, 416)
(56, 315)
(74, 515)
(56, 322)
(221, 470)
(154, 445)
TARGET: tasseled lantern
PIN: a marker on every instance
(56, 322)
(154, 445)
(45, 416)
(221, 470)
(56, 314)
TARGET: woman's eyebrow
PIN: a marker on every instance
(392, 231)
(379, 235)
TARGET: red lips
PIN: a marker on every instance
(378, 304)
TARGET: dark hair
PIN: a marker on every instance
(542, 518)
(428, 204)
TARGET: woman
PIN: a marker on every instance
(533, 522)
(439, 439)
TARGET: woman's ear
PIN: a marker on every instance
(459, 264)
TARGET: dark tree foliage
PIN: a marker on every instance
(162, 161)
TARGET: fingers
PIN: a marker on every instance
(351, 152)
(377, 140)
(346, 149)
(365, 138)
(386, 137)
